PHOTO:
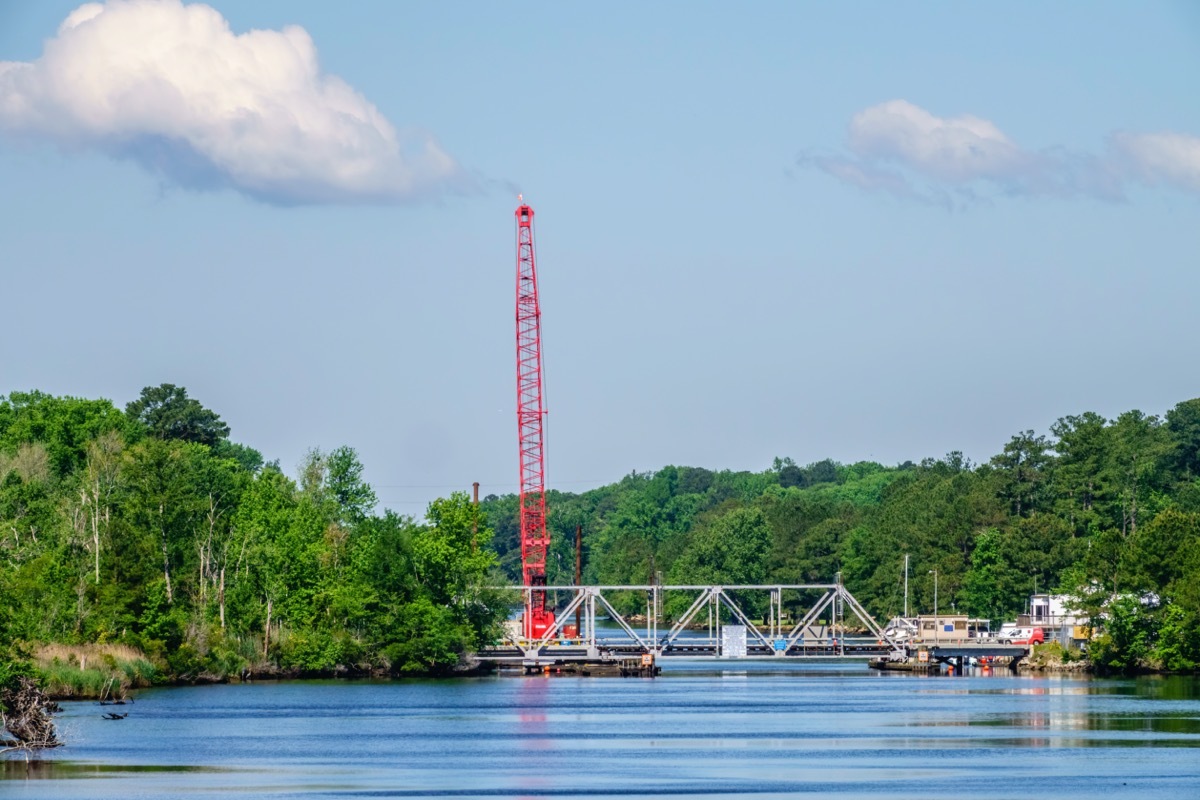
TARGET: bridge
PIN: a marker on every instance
(743, 622)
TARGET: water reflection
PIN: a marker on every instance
(701, 728)
(17, 767)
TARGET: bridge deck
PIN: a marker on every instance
(552, 655)
(565, 654)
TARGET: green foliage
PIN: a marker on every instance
(988, 587)
(168, 413)
(1098, 508)
(1129, 636)
(729, 549)
(355, 499)
(14, 663)
(1178, 645)
(154, 531)
(63, 426)
(433, 641)
(1183, 424)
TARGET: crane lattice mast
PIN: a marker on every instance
(531, 413)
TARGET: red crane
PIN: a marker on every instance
(531, 413)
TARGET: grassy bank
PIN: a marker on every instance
(1053, 657)
(92, 672)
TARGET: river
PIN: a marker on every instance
(773, 730)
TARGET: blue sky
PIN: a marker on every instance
(782, 229)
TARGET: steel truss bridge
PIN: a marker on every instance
(703, 630)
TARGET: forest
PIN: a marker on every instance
(1104, 510)
(149, 528)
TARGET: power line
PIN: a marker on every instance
(496, 484)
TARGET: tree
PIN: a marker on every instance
(450, 555)
(63, 426)
(1080, 478)
(354, 497)
(250, 459)
(264, 569)
(218, 485)
(1023, 467)
(1129, 636)
(730, 549)
(24, 708)
(163, 503)
(987, 587)
(1140, 444)
(1154, 558)
(101, 480)
(1183, 422)
(168, 413)
(822, 472)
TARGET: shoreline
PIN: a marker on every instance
(108, 673)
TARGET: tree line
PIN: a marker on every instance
(149, 526)
(1105, 510)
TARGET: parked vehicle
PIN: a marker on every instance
(1022, 636)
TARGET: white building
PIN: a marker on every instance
(1050, 613)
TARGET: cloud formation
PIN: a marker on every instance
(1171, 158)
(900, 148)
(171, 87)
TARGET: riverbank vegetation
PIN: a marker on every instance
(147, 545)
(1105, 510)
(144, 544)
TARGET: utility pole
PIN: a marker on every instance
(937, 622)
(578, 567)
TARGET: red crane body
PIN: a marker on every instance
(531, 414)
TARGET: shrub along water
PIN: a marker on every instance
(92, 671)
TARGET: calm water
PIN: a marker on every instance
(697, 730)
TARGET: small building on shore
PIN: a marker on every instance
(951, 628)
(1058, 622)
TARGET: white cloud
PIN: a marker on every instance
(901, 148)
(172, 87)
(954, 149)
(1172, 158)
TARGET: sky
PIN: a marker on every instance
(857, 230)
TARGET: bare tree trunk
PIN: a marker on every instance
(221, 598)
(267, 630)
(96, 529)
(200, 568)
(166, 559)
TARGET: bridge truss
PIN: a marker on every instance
(719, 621)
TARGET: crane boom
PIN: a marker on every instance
(531, 412)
